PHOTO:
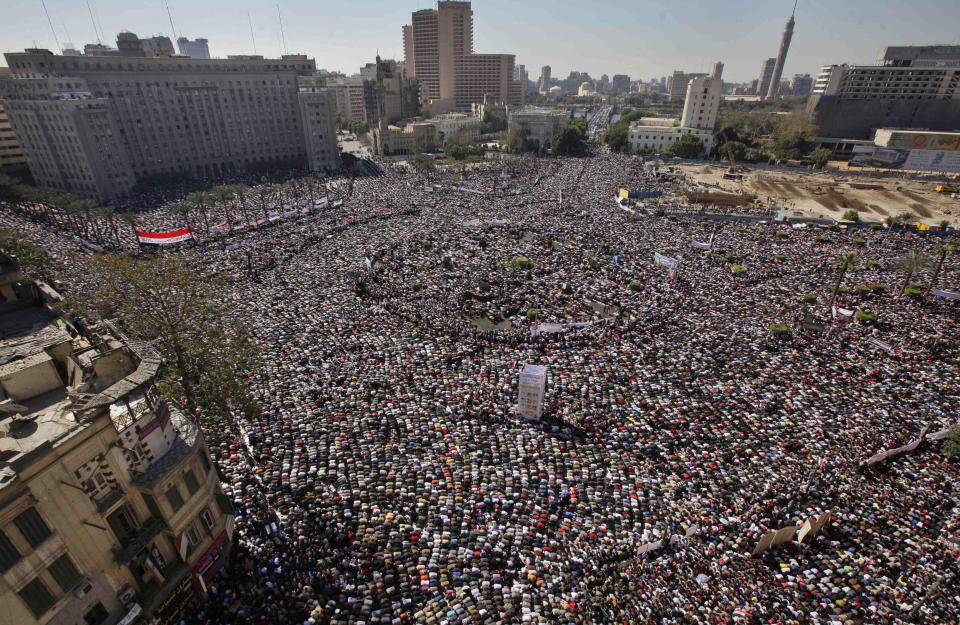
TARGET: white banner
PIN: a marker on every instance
(700, 245)
(665, 261)
(946, 294)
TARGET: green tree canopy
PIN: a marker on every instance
(569, 139)
(687, 146)
(168, 301)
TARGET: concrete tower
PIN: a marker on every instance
(774, 88)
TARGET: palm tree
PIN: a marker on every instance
(182, 209)
(200, 200)
(131, 220)
(108, 215)
(845, 263)
(951, 248)
(262, 192)
(223, 194)
(239, 193)
(910, 263)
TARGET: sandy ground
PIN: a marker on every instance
(828, 195)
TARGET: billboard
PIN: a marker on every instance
(533, 381)
(949, 142)
(945, 161)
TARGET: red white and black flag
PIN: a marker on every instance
(165, 238)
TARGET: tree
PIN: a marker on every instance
(359, 126)
(423, 163)
(910, 263)
(687, 146)
(735, 151)
(791, 146)
(951, 444)
(518, 139)
(167, 300)
(455, 151)
(949, 248)
(851, 215)
(617, 137)
(568, 139)
(223, 194)
(201, 201)
(845, 263)
(580, 123)
(820, 157)
(32, 259)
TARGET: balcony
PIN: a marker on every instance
(107, 501)
(147, 532)
(181, 447)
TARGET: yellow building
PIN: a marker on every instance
(110, 507)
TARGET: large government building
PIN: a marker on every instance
(97, 125)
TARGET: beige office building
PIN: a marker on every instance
(97, 125)
(11, 154)
(110, 506)
(438, 48)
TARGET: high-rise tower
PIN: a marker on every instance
(774, 88)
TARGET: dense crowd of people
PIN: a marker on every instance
(388, 478)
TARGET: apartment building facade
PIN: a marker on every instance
(97, 125)
(438, 48)
(111, 509)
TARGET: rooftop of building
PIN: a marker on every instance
(539, 110)
(655, 122)
(54, 379)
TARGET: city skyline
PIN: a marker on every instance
(617, 39)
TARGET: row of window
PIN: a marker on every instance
(33, 529)
(38, 597)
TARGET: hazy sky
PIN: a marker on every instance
(642, 38)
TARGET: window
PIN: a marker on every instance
(124, 524)
(191, 480)
(96, 615)
(193, 536)
(37, 597)
(64, 573)
(207, 518)
(151, 505)
(8, 553)
(173, 496)
(32, 527)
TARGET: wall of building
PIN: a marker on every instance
(857, 119)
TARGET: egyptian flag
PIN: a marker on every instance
(165, 238)
(150, 567)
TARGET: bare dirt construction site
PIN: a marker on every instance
(829, 194)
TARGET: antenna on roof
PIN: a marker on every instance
(252, 38)
(96, 32)
(283, 40)
(170, 17)
(49, 21)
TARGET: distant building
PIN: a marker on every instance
(439, 52)
(400, 94)
(415, 138)
(700, 108)
(540, 123)
(532, 384)
(909, 87)
(318, 110)
(544, 83)
(123, 131)
(111, 509)
(620, 83)
(11, 154)
(766, 75)
(801, 84)
(458, 127)
(677, 84)
(129, 44)
(717, 70)
(586, 90)
(196, 49)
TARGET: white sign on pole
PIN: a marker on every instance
(533, 381)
